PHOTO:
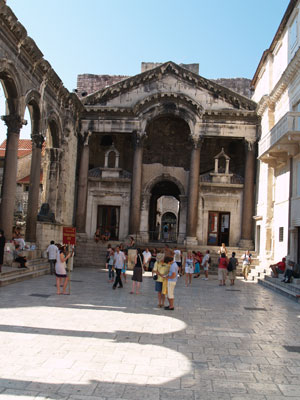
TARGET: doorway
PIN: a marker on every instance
(108, 219)
(169, 227)
(218, 228)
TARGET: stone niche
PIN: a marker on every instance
(111, 163)
(219, 176)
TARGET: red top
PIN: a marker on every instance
(281, 266)
(223, 263)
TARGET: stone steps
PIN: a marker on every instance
(36, 267)
(290, 290)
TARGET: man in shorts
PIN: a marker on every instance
(278, 268)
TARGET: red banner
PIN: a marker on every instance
(69, 235)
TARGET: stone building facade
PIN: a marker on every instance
(30, 81)
(159, 134)
(277, 92)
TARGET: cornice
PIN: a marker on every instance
(102, 96)
(285, 79)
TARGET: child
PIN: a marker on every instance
(111, 273)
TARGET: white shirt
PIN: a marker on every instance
(177, 255)
(119, 259)
(147, 256)
(205, 260)
(52, 252)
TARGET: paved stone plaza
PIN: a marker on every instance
(103, 344)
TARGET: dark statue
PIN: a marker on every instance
(45, 215)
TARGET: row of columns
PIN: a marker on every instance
(14, 124)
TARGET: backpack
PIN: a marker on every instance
(230, 266)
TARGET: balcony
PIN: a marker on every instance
(282, 141)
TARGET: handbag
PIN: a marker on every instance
(155, 277)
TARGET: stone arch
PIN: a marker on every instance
(112, 149)
(11, 82)
(54, 126)
(163, 177)
(32, 101)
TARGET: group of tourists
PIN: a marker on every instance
(227, 266)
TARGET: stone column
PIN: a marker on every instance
(248, 198)
(82, 186)
(193, 194)
(34, 187)
(54, 154)
(14, 125)
(136, 185)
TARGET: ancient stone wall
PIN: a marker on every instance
(90, 83)
(239, 85)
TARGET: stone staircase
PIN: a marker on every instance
(290, 290)
(91, 254)
(12, 274)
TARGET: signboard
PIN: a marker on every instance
(69, 235)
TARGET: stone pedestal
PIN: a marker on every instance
(191, 241)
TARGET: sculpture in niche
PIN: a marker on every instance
(45, 215)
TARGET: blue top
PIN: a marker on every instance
(173, 268)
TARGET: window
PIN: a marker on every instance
(281, 234)
(293, 33)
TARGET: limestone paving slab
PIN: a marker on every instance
(106, 344)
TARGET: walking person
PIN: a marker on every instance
(119, 260)
(52, 251)
(222, 269)
(146, 258)
(206, 261)
(231, 268)
(178, 259)
(110, 265)
(189, 268)
(137, 276)
(2, 245)
(197, 261)
(124, 269)
(246, 264)
(107, 257)
(60, 269)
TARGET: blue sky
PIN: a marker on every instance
(226, 37)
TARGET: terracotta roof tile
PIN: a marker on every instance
(24, 148)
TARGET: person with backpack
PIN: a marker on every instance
(231, 268)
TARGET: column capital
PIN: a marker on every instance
(37, 139)
(196, 141)
(250, 142)
(13, 122)
(139, 138)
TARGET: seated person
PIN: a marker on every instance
(278, 268)
(97, 235)
(292, 271)
(105, 236)
(20, 241)
(18, 257)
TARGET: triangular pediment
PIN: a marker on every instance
(234, 100)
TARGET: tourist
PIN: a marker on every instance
(137, 276)
(105, 236)
(119, 260)
(18, 257)
(146, 258)
(246, 264)
(223, 249)
(160, 269)
(152, 260)
(52, 251)
(222, 269)
(292, 271)
(278, 268)
(2, 246)
(97, 235)
(178, 259)
(107, 256)
(165, 232)
(197, 260)
(132, 242)
(189, 268)
(60, 269)
(231, 268)
(124, 269)
(172, 279)
(168, 252)
(110, 265)
(206, 261)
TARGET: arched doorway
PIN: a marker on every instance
(164, 211)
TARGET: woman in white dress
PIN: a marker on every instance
(189, 268)
(60, 269)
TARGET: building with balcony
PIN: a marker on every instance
(276, 86)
